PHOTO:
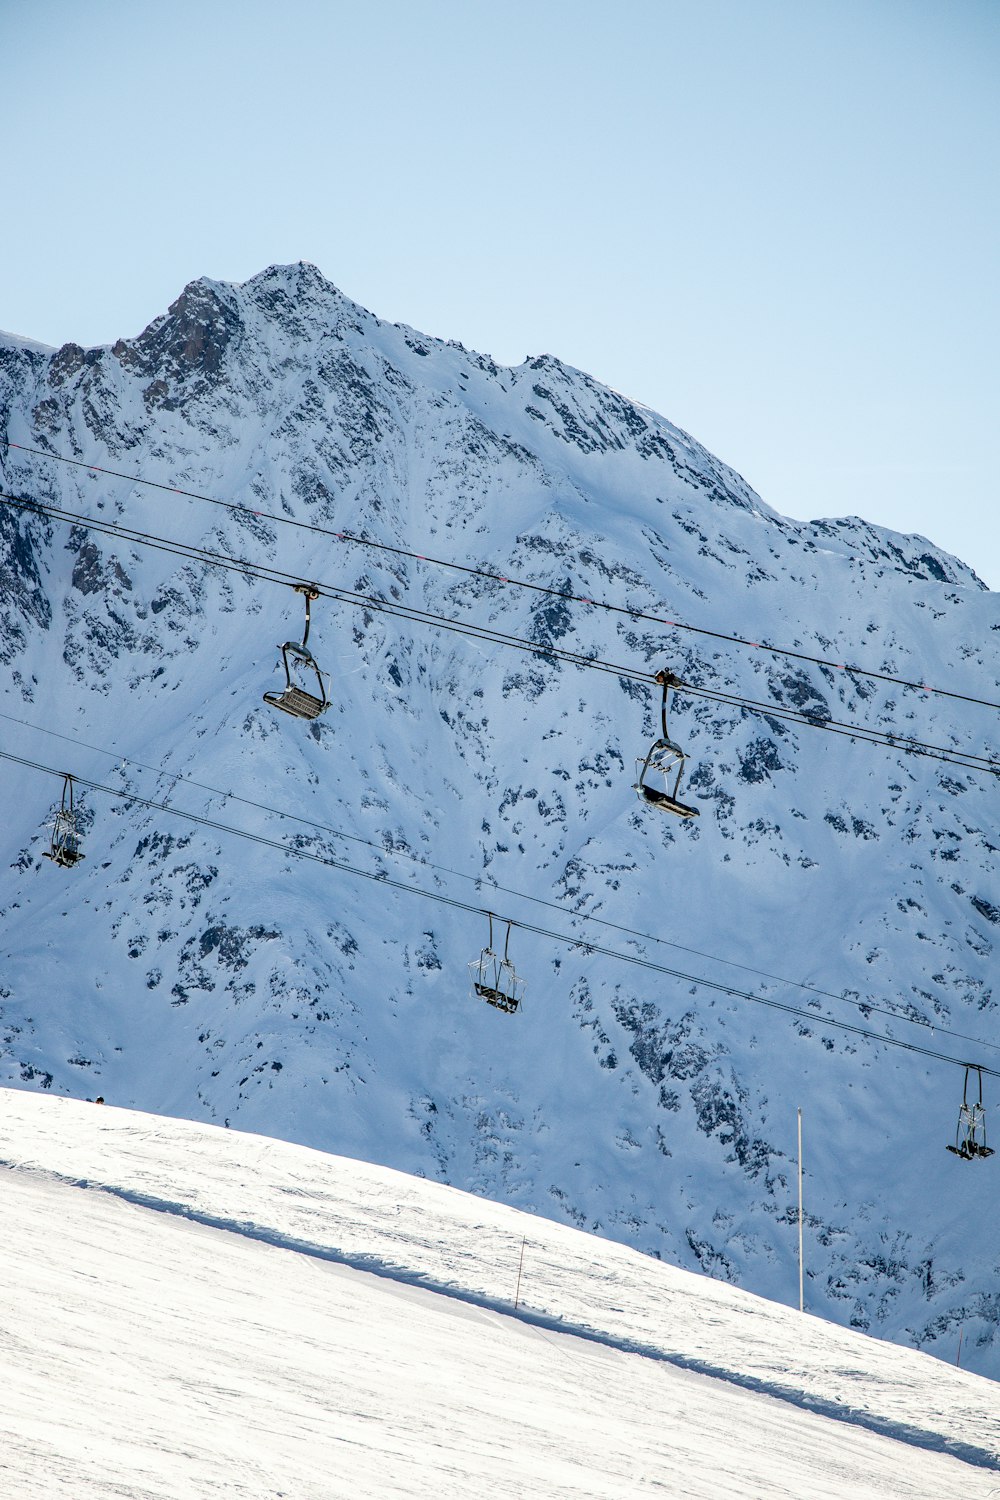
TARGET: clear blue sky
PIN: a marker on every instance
(774, 221)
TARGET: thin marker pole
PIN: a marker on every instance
(801, 1286)
(520, 1267)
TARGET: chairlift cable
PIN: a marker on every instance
(557, 937)
(509, 582)
(262, 572)
(266, 573)
(888, 738)
(482, 883)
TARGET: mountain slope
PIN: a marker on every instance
(194, 972)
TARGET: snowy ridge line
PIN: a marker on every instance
(634, 614)
(483, 884)
(547, 1323)
(856, 733)
(587, 945)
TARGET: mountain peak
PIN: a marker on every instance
(189, 341)
(300, 278)
(299, 296)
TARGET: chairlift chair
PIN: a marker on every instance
(970, 1133)
(301, 666)
(663, 755)
(64, 848)
(494, 979)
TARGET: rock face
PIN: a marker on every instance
(311, 981)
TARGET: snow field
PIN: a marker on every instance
(188, 1313)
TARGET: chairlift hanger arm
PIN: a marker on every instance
(667, 680)
(311, 592)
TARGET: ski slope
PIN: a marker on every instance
(191, 1311)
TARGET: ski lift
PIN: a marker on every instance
(64, 848)
(662, 757)
(300, 668)
(970, 1133)
(494, 979)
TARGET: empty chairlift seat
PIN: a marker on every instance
(661, 759)
(970, 1133)
(494, 979)
(64, 846)
(304, 694)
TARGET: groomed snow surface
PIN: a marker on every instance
(195, 1312)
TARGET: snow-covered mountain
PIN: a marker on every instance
(192, 972)
(193, 1311)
